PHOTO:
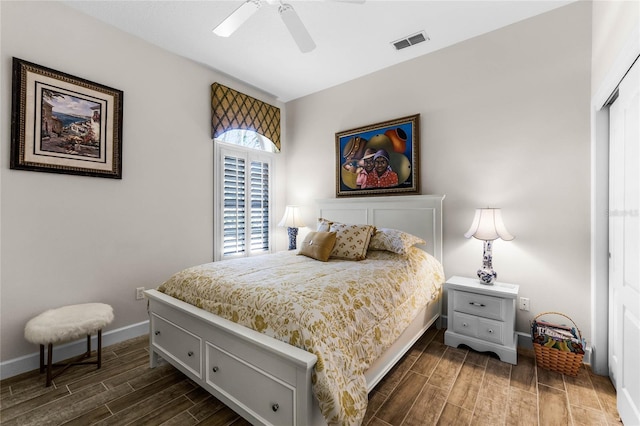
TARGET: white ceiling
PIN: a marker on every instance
(352, 39)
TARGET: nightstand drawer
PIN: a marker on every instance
(465, 324)
(481, 328)
(491, 331)
(479, 304)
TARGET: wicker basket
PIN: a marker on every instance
(550, 358)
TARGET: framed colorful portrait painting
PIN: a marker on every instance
(64, 124)
(379, 159)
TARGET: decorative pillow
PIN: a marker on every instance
(318, 245)
(323, 224)
(394, 241)
(352, 241)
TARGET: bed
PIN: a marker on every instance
(274, 370)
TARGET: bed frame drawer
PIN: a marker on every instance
(177, 343)
(268, 398)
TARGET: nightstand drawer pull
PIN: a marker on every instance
(275, 407)
(482, 305)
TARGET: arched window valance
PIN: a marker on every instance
(231, 109)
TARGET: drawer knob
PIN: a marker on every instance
(215, 369)
(464, 324)
(477, 304)
(190, 353)
(275, 407)
(490, 331)
(157, 333)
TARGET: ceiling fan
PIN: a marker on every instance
(288, 14)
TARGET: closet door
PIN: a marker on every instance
(624, 246)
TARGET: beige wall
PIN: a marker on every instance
(73, 239)
(613, 23)
(504, 123)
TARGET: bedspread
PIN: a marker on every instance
(346, 313)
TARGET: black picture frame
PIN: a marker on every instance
(64, 124)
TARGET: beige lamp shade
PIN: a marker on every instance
(487, 225)
(292, 218)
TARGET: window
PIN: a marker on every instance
(248, 139)
(243, 194)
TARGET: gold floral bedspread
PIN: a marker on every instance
(346, 313)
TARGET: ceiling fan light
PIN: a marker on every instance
(296, 28)
(237, 18)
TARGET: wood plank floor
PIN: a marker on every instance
(432, 384)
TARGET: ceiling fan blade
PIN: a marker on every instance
(296, 28)
(237, 18)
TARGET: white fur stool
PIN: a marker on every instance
(65, 324)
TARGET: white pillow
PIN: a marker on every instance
(394, 240)
(323, 225)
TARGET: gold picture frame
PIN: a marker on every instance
(64, 124)
(379, 159)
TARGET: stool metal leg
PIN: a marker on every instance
(41, 359)
(49, 363)
(64, 365)
(99, 348)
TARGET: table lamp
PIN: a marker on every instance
(488, 226)
(292, 220)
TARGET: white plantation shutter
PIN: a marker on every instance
(244, 188)
(234, 213)
(259, 193)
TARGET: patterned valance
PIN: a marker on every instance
(231, 109)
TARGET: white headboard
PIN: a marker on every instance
(420, 215)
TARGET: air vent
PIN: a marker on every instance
(410, 40)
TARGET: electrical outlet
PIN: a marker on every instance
(139, 293)
(524, 304)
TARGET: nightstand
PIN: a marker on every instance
(482, 316)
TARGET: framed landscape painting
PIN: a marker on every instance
(379, 159)
(64, 124)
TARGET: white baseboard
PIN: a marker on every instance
(30, 362)
(20, 365)
(524, 340)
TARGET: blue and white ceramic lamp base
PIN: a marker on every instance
(486, 274)
(293, 235)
